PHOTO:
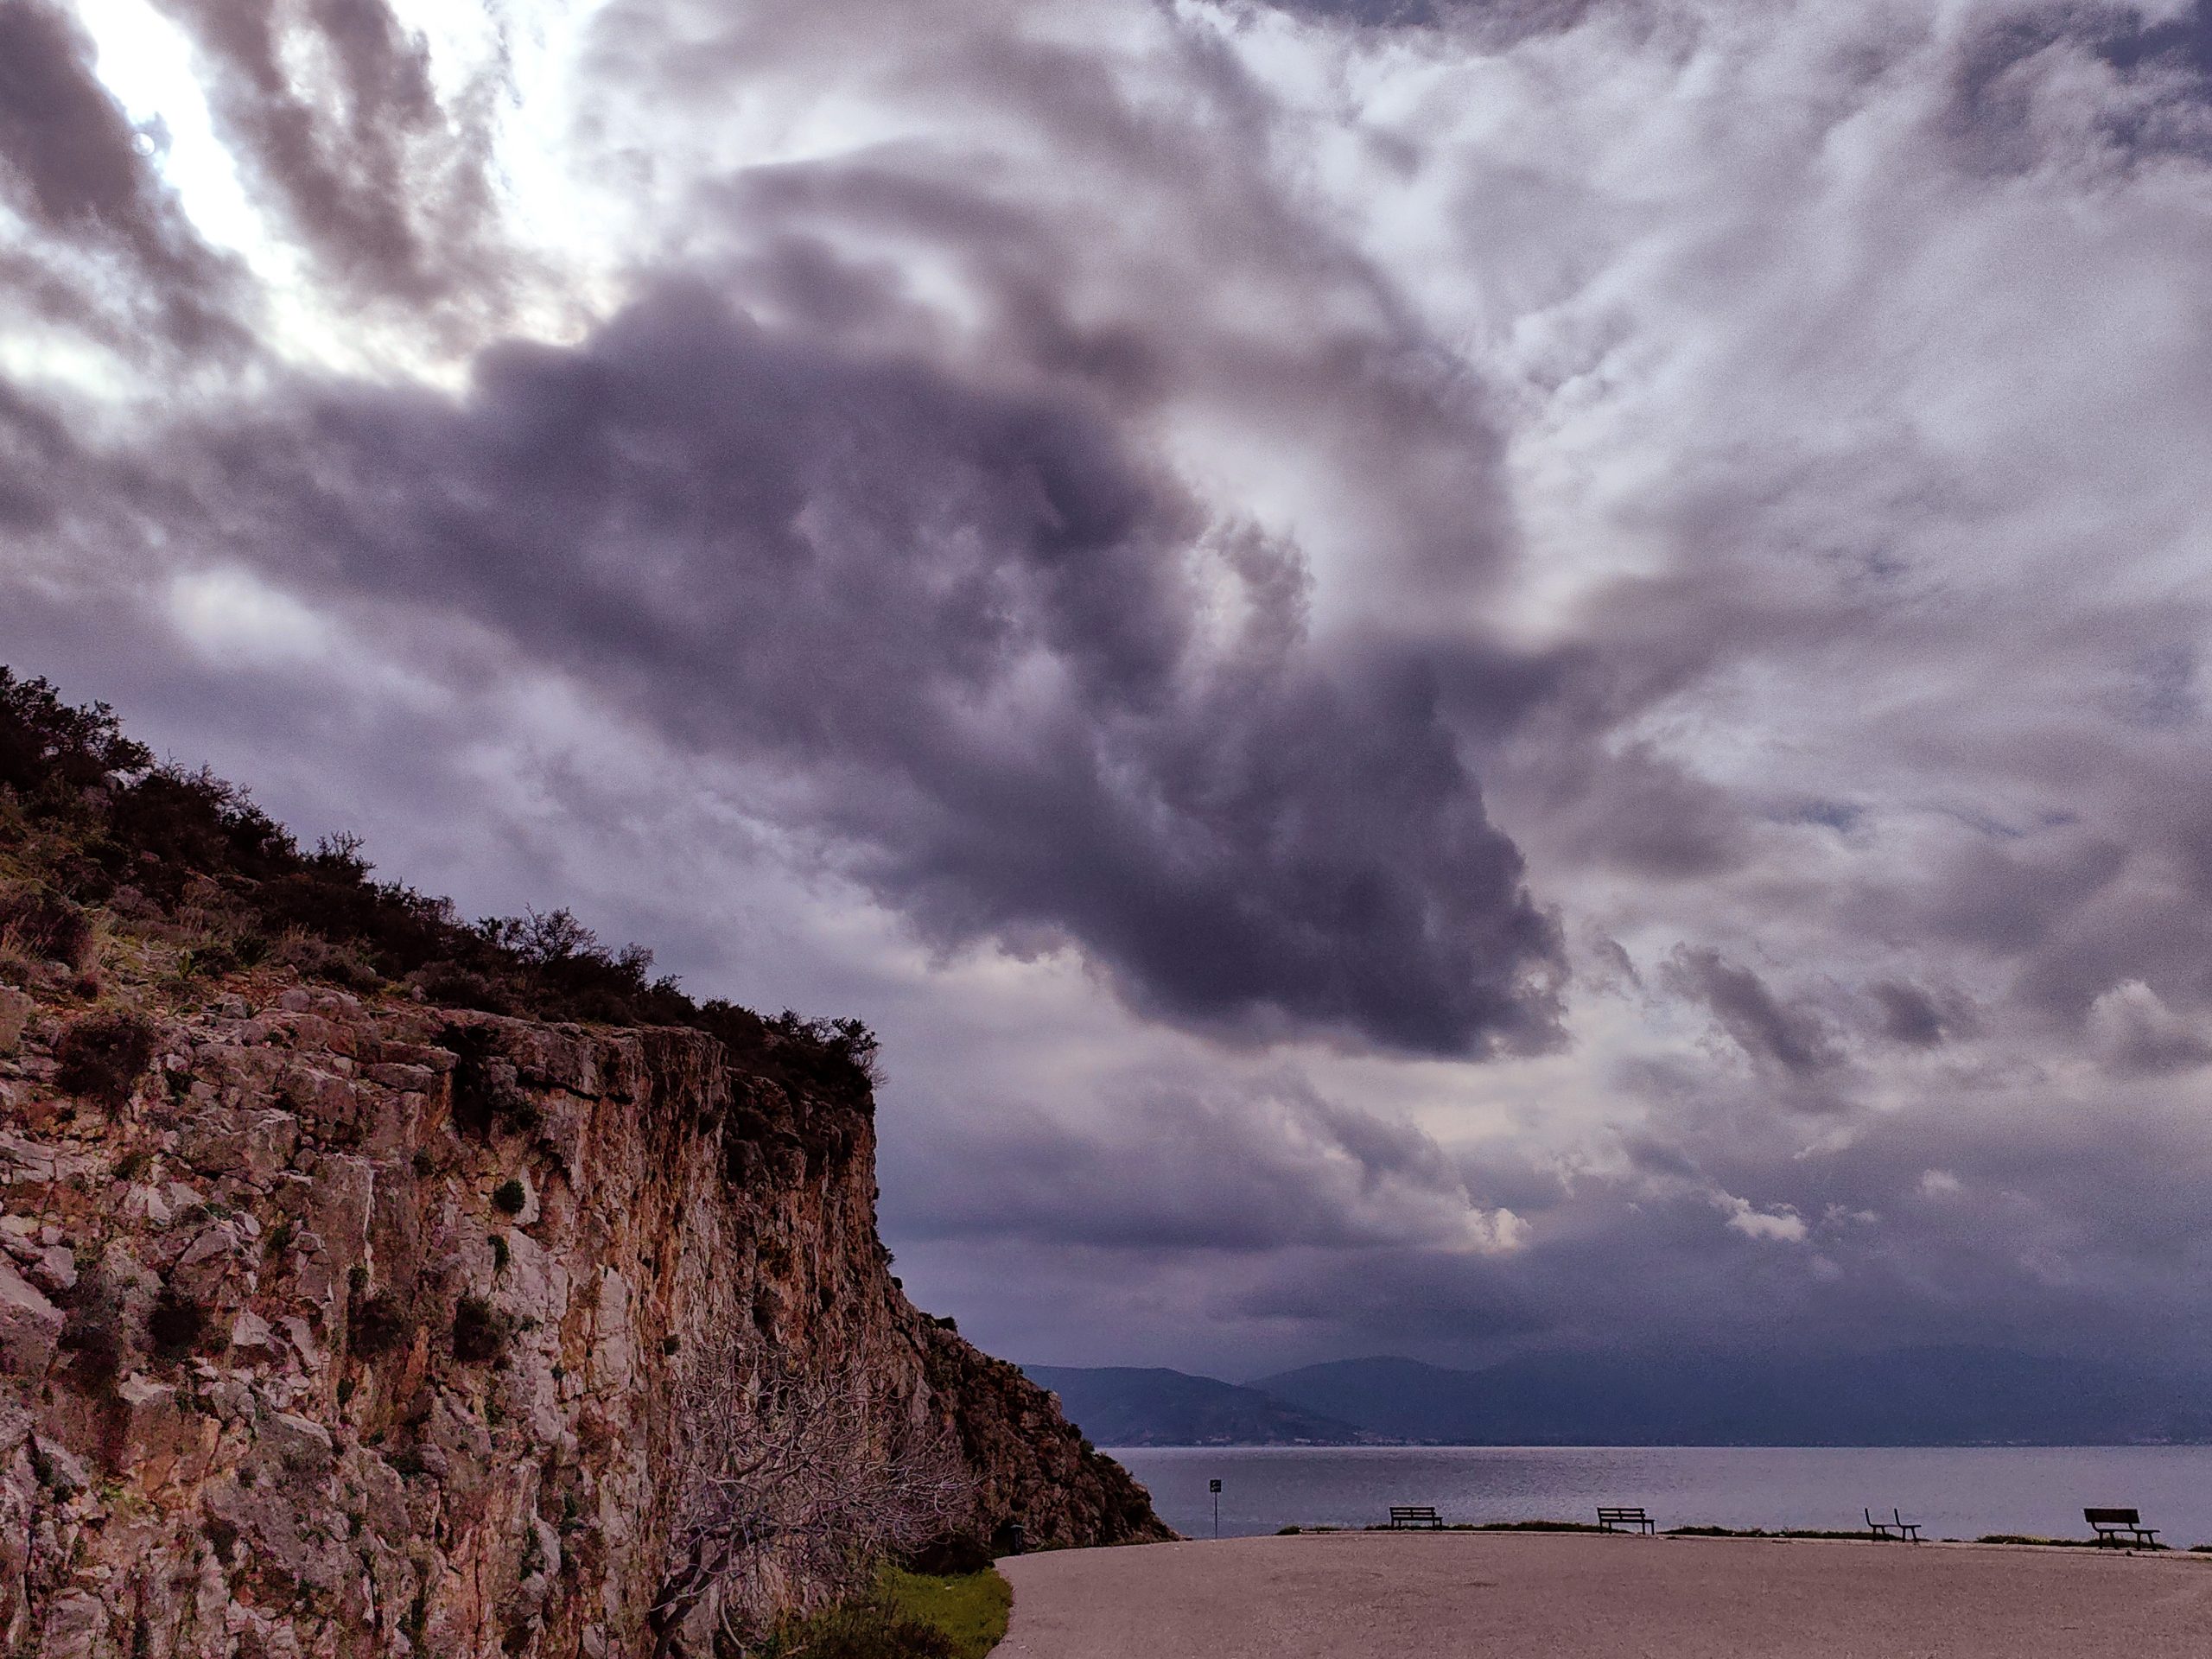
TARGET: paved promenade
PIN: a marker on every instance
(1438, 1596)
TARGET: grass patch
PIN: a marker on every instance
(906, 1616)
(969, 1610)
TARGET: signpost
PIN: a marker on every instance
(1214, 1486)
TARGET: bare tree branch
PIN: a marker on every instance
(792, 1486)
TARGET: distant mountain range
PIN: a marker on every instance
(1910, 1396)
(1126, 1406)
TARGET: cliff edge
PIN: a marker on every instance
(333, 1321)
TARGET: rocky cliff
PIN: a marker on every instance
(338, 1324)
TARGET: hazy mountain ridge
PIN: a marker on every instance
(1124, 1404)
(1907, 1396)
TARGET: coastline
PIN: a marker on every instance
(1958, 1492)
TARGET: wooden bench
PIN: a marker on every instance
(2109, 1524)
(1635, 1519)
(1895, 1527)
(1407, 1516)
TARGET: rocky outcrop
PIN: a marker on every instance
(354, 1327)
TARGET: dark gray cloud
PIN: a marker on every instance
(1794, 1038)
(70, 157)
(1273, 1167)
(1494, 23)
(74, 168)
(2066, 1243)
(33, 444)
(960, 627)
(1910, 1015)
(332, 107)
(1382, 14)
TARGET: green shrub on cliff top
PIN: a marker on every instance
(85, 811)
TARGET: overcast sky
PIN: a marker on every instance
(1454, 675)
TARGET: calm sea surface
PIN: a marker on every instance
(1954, 1493)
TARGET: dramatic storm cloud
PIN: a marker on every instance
(1454, 676)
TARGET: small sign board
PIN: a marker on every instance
(1213, 1485)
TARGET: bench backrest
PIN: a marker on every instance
(1635, 1514)
(1412, 1512)
(2113, 1517)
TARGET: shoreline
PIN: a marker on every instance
(1968, 1494)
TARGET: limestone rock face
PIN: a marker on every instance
(285, 1368)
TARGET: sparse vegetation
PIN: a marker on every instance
(857, 1630)
(36, 925)
(2053, 1543)
(176, 1327)
(1859, 1534)
(511, 1197)
(906, 1616)
(101, 1057)
(379, 1326)
(481, 1331)
(971, 1609)
(782, 1476)
(188, 861)
(92, 1336)
(486, 1096)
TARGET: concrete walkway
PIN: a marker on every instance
(1412, 1596)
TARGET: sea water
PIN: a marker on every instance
(1962, 1492)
